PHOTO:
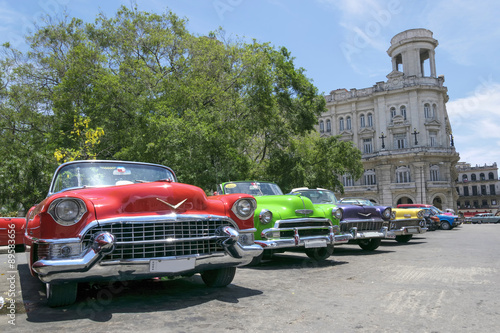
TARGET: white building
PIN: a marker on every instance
(478, 188)
(401, 127)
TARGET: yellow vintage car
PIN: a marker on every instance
(406, 222)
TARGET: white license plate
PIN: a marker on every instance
(314, 243)
(171, 265)
(412, 230)
(370, 234)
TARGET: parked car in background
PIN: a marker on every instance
(289, 222)
(404, 222)
(364, 224)
(446, 221)
(12, 232)
(432, 222)
(485, 218)
(117, 220)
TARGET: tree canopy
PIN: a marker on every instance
(139, 86)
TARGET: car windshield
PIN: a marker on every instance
(355, 201)
(98, 174)
(318, 196)
(252, 188)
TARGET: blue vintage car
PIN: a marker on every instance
(366, 224)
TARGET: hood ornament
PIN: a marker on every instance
(174, 207)
(365, 215)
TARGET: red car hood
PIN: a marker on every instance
(157, 198)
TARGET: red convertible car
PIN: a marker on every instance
(12, 232)
(117, 220)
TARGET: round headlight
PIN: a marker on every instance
(393, 215)
(265, 216)
(244, 208)
(420, 214)
(67, 211)
(386, 214)
(338, 213)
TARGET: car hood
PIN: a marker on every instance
(287, 206)
(160, 198)
(361, 212)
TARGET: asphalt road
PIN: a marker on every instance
(443, 281)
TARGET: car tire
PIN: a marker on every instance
(320, 253)
(61, 294)
(403, 238)
(445, 225)
(369, 244)
(218, 277)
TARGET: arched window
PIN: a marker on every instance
(328, 125)
(434, 110)
(403, 174)
(403, 111)
(370, 177)
(465, 179)
(321, 126)
(434, 173)
(362, 121)
(427, 111)
(348, 123)
(481, 176)
(393, 112)
(370, 120)
(491, 176)
(341, 124)
(473, 177)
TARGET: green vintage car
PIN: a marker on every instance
(289, 222)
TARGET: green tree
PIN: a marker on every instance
(146, 89)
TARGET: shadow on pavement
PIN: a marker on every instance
(98, 302)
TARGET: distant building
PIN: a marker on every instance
(401, 127)
(478, 189)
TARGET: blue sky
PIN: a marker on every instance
(340, 44)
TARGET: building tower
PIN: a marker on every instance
(401, 127)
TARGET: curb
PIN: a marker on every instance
(11, 299)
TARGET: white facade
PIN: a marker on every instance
(401, 127)
(478, 189)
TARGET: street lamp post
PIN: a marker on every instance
(382, 137)
(415, 133)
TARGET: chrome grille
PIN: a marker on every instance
(362, 226)
(410, 223)
(147, 239)
(308, 227)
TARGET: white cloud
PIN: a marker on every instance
(475, 121)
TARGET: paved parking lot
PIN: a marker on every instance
(443, 281)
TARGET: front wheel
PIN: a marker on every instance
(320, 253)
(61, 294)
(445, 225)
(369, 244)
(218, 277)
(403, 238)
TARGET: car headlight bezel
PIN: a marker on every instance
(67, 211)
(338, 213)
(265, 216)
(244, 208)
(386, 214)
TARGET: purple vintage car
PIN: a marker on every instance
(364, 224)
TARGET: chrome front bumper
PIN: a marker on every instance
(407, 230)
(90, 267)
(268, 240)
(382, 233)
